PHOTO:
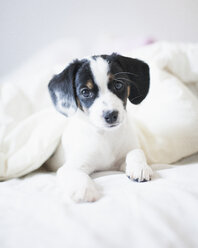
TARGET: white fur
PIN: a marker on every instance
(90, 146)
(107, 101)
(61, 105)
(100, 68)
(136, 166)
(77, 185)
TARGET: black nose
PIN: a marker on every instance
(111, 116)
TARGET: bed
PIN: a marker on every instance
(159, 213)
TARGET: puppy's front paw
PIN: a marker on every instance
(139, 173)
(84, 192)
(136, 166)
(77, 185)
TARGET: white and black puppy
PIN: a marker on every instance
(100, 135)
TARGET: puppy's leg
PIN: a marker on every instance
(77, 184)
(136, 167)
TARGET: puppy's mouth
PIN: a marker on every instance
(113, 125)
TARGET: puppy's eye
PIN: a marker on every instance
(86, 93)
(118, 85)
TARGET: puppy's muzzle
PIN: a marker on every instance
(110, 117)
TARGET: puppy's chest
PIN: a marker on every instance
(101, 151)
(109, 153)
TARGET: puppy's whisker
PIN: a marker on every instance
(125, 79)
(125, 72)
(136, 97)
(118, 80)
(130, 81)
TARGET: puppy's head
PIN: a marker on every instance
(99, 87)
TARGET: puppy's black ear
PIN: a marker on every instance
(138, 74)
(62, 89)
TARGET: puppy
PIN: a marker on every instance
(100, 135)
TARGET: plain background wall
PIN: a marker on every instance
(28, 26)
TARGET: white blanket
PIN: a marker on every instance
(160, 213)
(30, 128)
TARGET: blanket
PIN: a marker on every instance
(160, 213)
(30, 128)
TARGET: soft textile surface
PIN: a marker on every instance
(160, 213)
(168, 118)
(30, 129)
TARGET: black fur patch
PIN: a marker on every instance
(122, 92)
(61, 88)
(83, 76)
(134, 72)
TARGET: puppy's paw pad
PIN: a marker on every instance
(139, 174)
(138, 180)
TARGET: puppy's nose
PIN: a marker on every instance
(111, 116)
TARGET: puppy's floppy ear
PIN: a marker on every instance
(138, 73)
(62, 89)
